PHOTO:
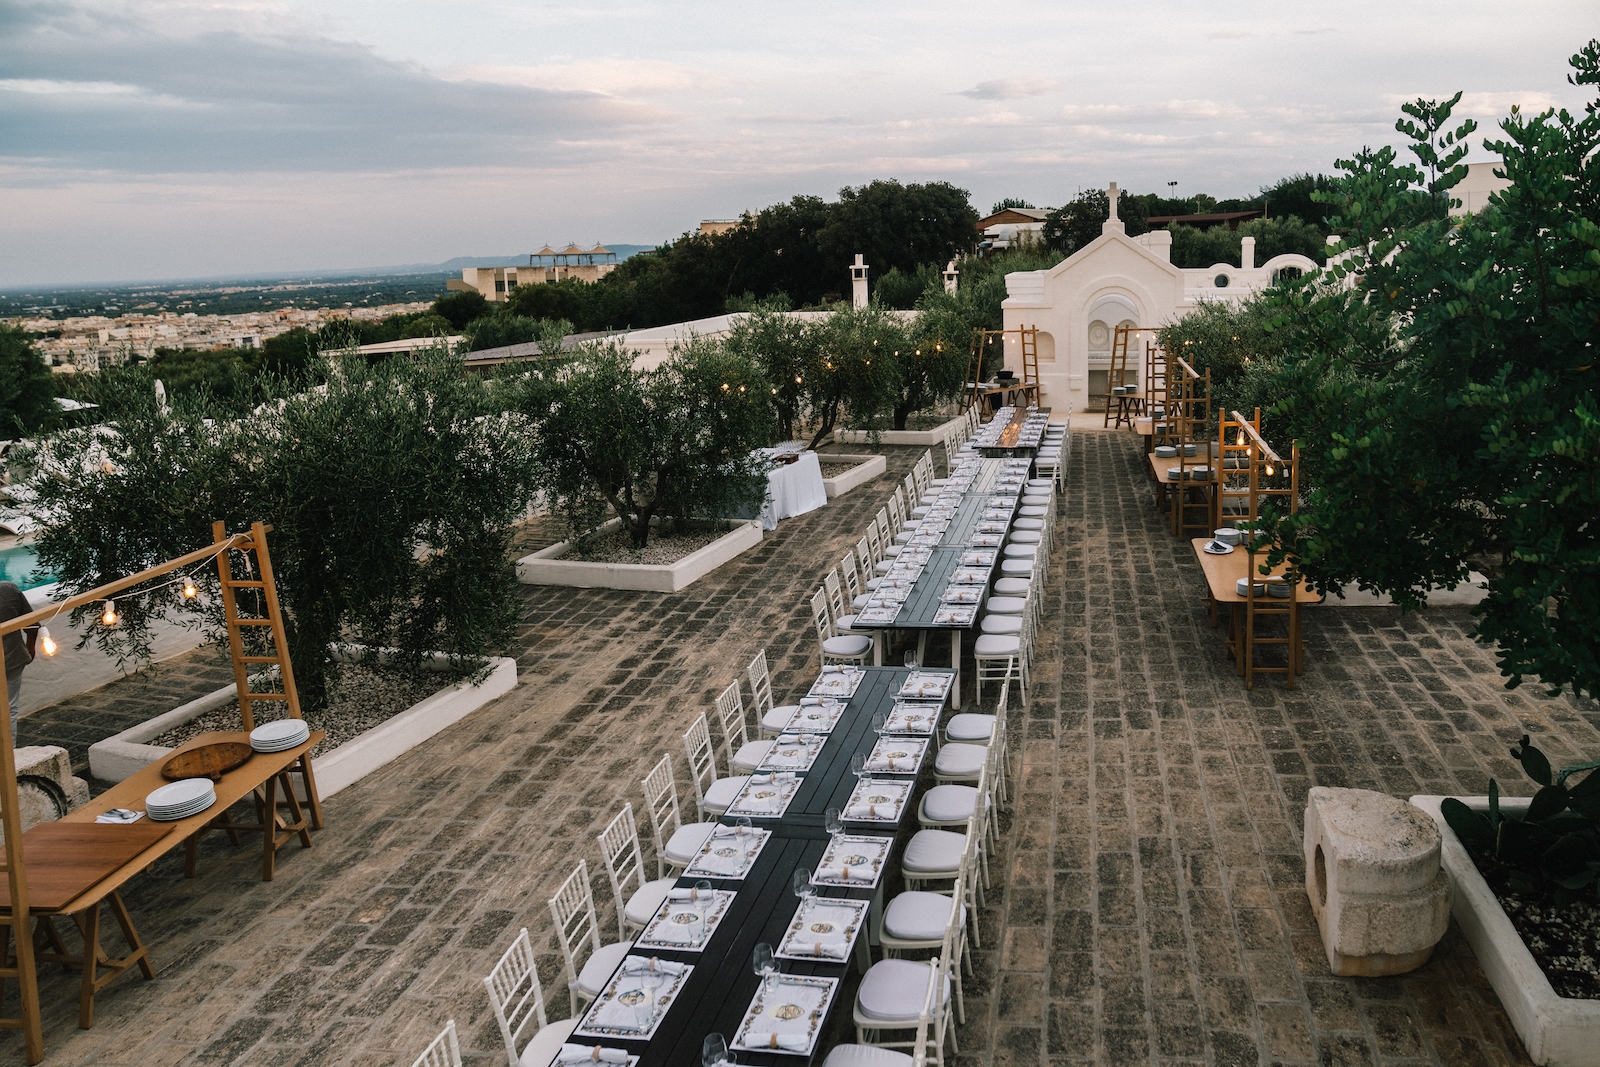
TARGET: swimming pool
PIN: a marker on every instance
(19, 564)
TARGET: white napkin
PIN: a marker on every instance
(646, 964)
(845, 873)
(686, 894)
(787, 1042)
(590, 1054)
(871, 811)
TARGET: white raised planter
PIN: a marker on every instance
(549, 566)
(117, 757)
(1557, 1031)
(866, 468)
(927, 438)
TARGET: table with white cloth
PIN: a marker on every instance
(792, 488)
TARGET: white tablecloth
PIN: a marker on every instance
(793, 489)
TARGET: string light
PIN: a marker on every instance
(109, 615)
(47, 644)
(190, 590)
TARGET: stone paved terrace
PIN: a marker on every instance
(1148, 904)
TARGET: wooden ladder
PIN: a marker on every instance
(1117, 373)
(1030, 363)
(269, 618)
(980, 337)
(16, 927)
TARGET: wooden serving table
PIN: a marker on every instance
(76, 863)
(262, 776)
(1223, 574)
(1167, 490)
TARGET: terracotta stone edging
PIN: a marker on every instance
(1557, 1031)
(121, 755)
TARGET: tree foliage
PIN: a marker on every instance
(390, 489)
(1453, 362)
(27, 394)
(672, 442)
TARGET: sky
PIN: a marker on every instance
(192, 138)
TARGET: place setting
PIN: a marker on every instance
(686, 919)
(787, 1011)
(837, 681)
(816, 716)
(729, 852)
(877, 800)
(851, 861)
(897, 755)
(823, 928)
(635, 1000)
(765, 796)
(572, 1055)
(926, 685)
(793, 752)
(913, 718)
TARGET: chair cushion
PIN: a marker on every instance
(860, 601)
(882, 566)
(916, 915)
(890, 551)
(778, 718)
(996, 646)
(867, 1056)
(1015, 551)
(1016, 568)
(948, 803)
(931, 852)
(686, 841)
(1025, 537)
(1027, 524)
(892, 991)
(1033, 511)
(844, 622)
(1012, 586)
(1035, 500)
(969, 726)
(546, 1043)
(1006, 605)
(648, 898)
(1000, 624)
(749, 756)
(917, 513)
(598, 967)
(847, 645)
(1040, 483)
(956, 760)
(720, 793)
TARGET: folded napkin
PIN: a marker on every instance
(811, 702)
(120, 815)
(590, 1054)
(634, 965)
(845, 873)
(830, 668)
(872, 811)
(777, 778)
(686, 894)
(786, 1042)
(891, 764)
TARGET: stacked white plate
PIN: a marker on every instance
(279, 735)
(181, 799)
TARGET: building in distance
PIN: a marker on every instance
(544, 266)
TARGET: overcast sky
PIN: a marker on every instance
(186, 138)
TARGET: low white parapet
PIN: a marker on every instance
(549, 566)
(866, 468)
(120, 756)
(926, 438)
(1557, 1031)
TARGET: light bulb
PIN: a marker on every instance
(1269, 470)
(109, 615)
(189, 588)
(47, 644)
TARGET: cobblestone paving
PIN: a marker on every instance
(1149, 902)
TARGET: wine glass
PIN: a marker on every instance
(741, 827)
(801, 883)
(879, 721)
(858, 764)
(911, 659)
(702, 899)
(833, 821)
(764, 965)
(714, 1051)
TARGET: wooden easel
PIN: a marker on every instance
(16, 924)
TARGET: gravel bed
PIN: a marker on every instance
(833, 470)
(614, 547)
(364, 697)
(1564, 941)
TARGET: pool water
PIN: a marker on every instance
(19, 564)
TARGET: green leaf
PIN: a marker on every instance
(1471, 827)
(1533, 761)
(1549, 801)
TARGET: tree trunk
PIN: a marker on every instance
(902, 412)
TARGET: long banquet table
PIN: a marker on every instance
(920, 610)
(718, 991)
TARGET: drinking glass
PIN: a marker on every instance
(702, 899)
(911, 659)
(714, 1051)
(741, 827)
(858, 764)
(801, 883)
(879, 721)
(764, 965)
(833, 821)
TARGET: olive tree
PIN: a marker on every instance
(670, 442)
(390, 490)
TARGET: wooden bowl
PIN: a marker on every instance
(207, 761)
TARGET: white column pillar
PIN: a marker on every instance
(950, 274)
(858, 283)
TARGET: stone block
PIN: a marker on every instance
(46, 789)
(1373, 876)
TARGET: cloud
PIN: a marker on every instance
(1011, 88)
(89, 90)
